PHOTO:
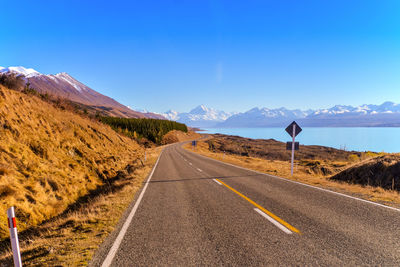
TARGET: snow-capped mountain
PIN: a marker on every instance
(65, 86)
(20, 71)
(200, 116)
(387, 114)
(387, 107)
(264, 117)
(171, 115)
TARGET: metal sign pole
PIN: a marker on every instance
(293, 144)
(293, 130)
(14, 237)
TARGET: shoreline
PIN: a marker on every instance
(361, 139)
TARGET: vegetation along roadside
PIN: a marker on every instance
(334, 169)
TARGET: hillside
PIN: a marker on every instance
(175, 136)
(383, 171)
(50, 157)
(319, 160)
(65, 86)
(274, 150)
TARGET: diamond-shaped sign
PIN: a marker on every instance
(297, 129)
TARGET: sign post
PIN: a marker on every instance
(194, 144)
(12, 225)
(293, 130)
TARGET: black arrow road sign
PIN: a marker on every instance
(297, 129)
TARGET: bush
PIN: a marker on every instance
(12, 81)
(353, 158)
(151, 129)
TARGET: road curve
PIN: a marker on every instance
(198, 211)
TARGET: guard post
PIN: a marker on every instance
(12, 225)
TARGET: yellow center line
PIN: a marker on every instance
(261, 208)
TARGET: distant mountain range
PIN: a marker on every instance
(65, 86)
(200, 116)
(385, 115)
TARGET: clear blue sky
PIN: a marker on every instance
(231, 55)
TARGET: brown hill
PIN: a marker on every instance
(383, 171)
(65, 86)
(49, 157)
(274, 150)
(316, 159)
(175, 136)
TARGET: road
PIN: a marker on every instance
(196, 211)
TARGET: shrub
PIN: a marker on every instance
(353, 158)
(12, 81)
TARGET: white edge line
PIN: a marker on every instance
(190, 163)
(217, 181)
(199, 170)
(113, 250)
(280, 226)
(296, 182)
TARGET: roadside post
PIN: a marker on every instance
(194, 144)
(145, 156)
(12, 225)
(293, 130)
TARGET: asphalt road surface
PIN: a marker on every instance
(196, 211)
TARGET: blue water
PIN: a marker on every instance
(385, 139)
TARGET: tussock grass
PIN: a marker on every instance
(50, 157)
(72, 238)
(304, 173)
(175, 136)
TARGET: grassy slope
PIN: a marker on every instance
(382, 171)
(304, 173)
(49, 158)
(72, 238)
(175, 136)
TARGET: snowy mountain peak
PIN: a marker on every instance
(67, 78)
(201, 109)
(27, 72)
(200, 116)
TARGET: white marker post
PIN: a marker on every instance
(293, 136)
(145, 156)
(12, 225)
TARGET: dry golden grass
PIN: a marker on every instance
(175, 136)
(73, 238)
(51, 157)
(302, 174)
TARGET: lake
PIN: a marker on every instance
(376, 139)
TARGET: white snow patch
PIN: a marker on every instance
(64, 76)
(27, 72)
(51, 76)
